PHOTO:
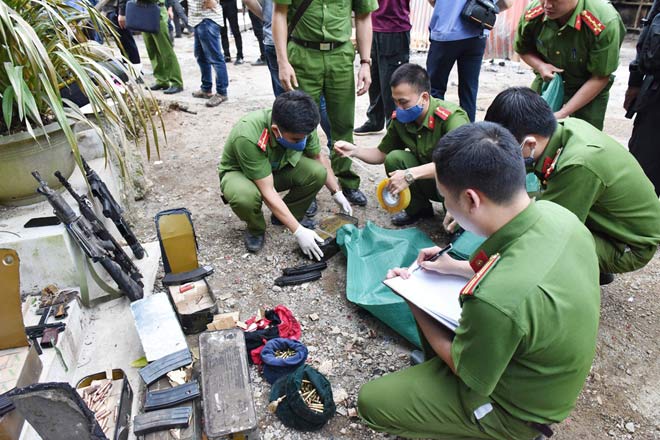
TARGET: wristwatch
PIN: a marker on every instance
(366, 61)
(409, 177)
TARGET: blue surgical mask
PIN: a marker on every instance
(406, 115)
(297, 146)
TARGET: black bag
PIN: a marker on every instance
(143, 16)
(480, 12)
(649, 47)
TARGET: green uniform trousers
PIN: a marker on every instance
(161, 54)
(429, 401)
(593, 112)
(331, 73)
(421, 191)
(617, 257)
(303, 182)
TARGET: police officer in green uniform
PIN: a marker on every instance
(164, 62)
(269, 151)
(588, 173)
(507, 373)
(580, 39)
(418, 122)
(319, 59)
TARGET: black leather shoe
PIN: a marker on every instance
(159, 87)
(355, 196)
(403, 218)
(366, 129)
(313, 209)
(173, 89)
(416, 357)
(238, 61)
(254, 243)
(606, 278)
(227, 58)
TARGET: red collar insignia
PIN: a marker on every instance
(393, 115)
(442, 113)
(578, 22)
(263, 140)
(549, 165)
(592, 22)
(533, 13)
(486, 266)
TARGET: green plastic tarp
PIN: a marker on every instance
(370, 252)
(553, 92)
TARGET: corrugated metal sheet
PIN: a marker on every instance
(500, 42)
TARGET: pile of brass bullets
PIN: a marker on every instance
(95, 397)
(310, 396)
(285, 354)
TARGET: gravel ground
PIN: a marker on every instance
(620, 399)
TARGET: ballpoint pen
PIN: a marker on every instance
(441, 252)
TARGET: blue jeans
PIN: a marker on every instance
(271, 60)
(207, 52)
(468, 54)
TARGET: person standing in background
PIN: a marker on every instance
(390, 48)
(455, 40)
(230, 13)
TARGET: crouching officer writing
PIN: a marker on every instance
(417, 124)
(269, 151)
(527, 333)
(590, 174)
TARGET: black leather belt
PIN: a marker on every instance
(322, 46)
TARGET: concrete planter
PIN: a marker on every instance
(20, 154)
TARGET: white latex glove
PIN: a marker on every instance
(307, 241)
(340, 199)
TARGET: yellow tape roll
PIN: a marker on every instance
(392, 202)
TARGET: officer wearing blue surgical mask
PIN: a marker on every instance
(274, 150)
(418, 123)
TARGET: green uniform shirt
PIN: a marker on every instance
(243, 152)
(575, 47)
(327, 20)
(421, 140)
(601, 183)
(528, 329)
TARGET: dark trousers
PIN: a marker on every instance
(258, 29)
(388, 51)
(209, 57)
(643, 142)
(180, 18)
(129, 48)
(273, 68)
(230, 13)
(468, 55)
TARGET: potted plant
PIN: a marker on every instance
(44, 49)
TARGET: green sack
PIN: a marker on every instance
(553, 92)
(465, 245)
(370, 252)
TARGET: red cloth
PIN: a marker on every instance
(289, 327)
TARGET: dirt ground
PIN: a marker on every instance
(621, 398)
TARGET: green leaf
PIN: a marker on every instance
(8, 106)
(140, 363)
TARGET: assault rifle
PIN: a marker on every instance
(101, 232)
(82, 232)
(112, 210)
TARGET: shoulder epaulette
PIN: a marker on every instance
(592, 22)
(263, 140)
(549, 166)
(533, 13)
(469, 288)
(442, 113)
